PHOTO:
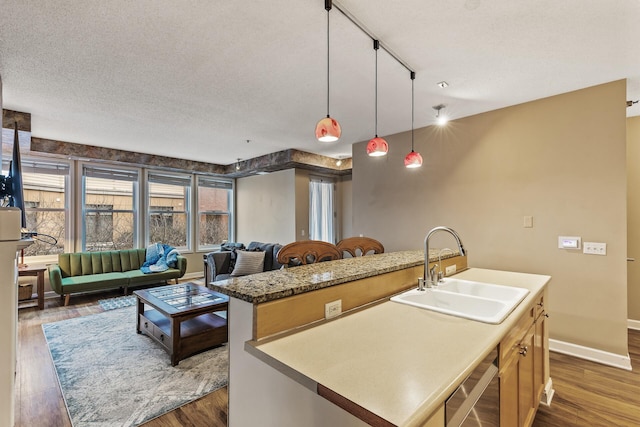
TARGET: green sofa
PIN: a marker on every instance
(91, 271)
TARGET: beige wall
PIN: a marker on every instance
(559, 159)
(302, 205)
(265, 208)
(633, 216)
(345, 209)
(282, 198)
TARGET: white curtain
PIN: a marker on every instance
(321, 210)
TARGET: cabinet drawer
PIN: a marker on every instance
(150, 328)
(515, 336)
(145, 325)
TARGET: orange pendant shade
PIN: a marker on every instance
(328, 130)
(377, 147)
(413, 160)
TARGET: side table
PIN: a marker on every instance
(35, 270)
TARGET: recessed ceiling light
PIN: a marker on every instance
(443, 84)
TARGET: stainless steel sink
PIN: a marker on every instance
(484, 302)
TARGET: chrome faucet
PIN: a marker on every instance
(428, 280)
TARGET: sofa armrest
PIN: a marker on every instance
(55, 278)
(181, 265)
(216, 263)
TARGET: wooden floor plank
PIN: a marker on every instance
(587, 393)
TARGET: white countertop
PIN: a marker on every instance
(396, 361)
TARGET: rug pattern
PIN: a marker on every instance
(111, 376)
(117, 302)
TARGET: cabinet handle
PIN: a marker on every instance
(546, 315)
(146, 325)
(541, 304)
(523, 350)
(162, 338)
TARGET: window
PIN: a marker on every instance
(168, 198)
(109, 202)
(321, 210)
(99, 218)
(111, 206)
(215, 199)
(45, 189)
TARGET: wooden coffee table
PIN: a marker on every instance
(184, 319)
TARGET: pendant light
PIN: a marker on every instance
(328, 129)
(377, 146)
(413, 159)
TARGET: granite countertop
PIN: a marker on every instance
(272, 285)
(396, 361)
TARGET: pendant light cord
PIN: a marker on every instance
(413, 77)
(328, 8)
(376, 45)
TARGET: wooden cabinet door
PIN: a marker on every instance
(522, 368)
(509, 393)
(526, 394)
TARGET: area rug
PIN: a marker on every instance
(117, 302)
(111, 376)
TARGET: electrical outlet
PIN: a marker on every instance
(448, 271)
(594, 248)
(332, 309)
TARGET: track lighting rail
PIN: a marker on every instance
(365, 30)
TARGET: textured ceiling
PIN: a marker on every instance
(196, 80)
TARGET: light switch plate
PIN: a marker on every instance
(527, 221)
(594, 248)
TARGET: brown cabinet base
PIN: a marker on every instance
(194, 335)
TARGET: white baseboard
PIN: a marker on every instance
(547, 394)
(633, 324)
(592, 354)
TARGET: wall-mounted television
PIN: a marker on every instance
(11, 185)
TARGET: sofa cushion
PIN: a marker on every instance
(94, 281)
(248, 262)
(137, 277)
(271, 254)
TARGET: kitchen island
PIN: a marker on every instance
(382, 363)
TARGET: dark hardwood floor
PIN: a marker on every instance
(586, 393)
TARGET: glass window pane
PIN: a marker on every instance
(168, 228)
(215, 204)
(106, 230)
(168, 201)
(214, 229)
(109, 192)
(213, 199)
(109, 214)
(44, 194)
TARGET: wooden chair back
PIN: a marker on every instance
(360, 246)
(308, 252)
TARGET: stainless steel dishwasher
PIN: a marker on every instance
(476, 402)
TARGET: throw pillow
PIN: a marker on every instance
(248, 263)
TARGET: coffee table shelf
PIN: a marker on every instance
(185, 324)
(196, 334)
